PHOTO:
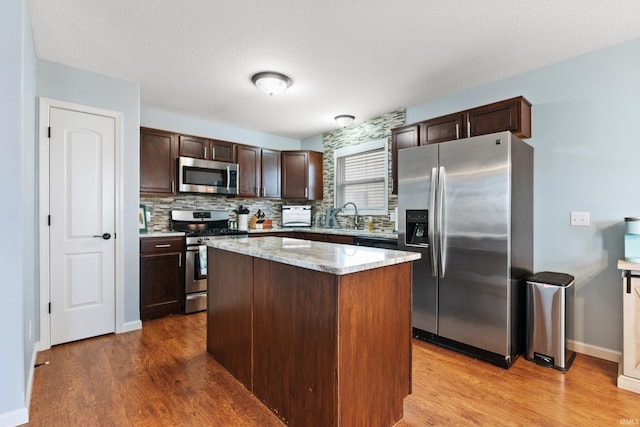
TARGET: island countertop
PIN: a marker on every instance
(331, 258)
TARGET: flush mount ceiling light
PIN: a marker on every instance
(270, 82)
(344, 120)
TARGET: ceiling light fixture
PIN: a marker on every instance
(270, 82)
(344, 119)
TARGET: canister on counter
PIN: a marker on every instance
(632, 239)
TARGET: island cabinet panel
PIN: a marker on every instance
(229, 311)
(371, 382)
(295, 351)
(318, 349)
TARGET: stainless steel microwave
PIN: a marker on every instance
(207, 176)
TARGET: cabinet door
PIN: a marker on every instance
(222, 151)
(512, 114)
(315, 175)
(249, 170)
(295, 174)
(160, 285)
(158, 153)
(445, 128)
(193, 146)
(631, 328)
(271, 174)
(404, 137)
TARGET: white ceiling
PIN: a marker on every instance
(359, 57)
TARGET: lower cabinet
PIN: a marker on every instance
(161, 276)
(629, 367)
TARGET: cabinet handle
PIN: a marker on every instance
(213, 153)
(173, 186)
(205, 151)
(306, 192)
(264, 191)
(457, 131)
(180, 260)
(468, 129)
(163, 246)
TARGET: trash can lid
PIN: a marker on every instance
(551, 278)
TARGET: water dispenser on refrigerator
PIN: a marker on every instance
(417, 227)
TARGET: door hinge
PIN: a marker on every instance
(49, 132)
(49, 308)
(49, 220)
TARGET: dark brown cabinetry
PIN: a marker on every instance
(270, 174)
(443, 128)
(158, 152)
(259, 174)
(302, 175)
(161, 276)
(322, 237)
(404, 137)
(296, 337)
(207, 149)
(512, 114)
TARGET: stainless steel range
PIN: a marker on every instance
(199, 226)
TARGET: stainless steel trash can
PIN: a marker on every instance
(547, 319)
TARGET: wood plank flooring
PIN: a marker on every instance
(163, 376)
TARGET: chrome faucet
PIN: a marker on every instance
(356, 222)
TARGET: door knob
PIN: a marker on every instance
(105, 236)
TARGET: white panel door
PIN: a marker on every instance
(82, 209)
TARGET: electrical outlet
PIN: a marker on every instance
(392, 215)
(580, 219)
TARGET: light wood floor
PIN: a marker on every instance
(163, 376)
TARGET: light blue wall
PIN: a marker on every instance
(29, 195)
(18, 255)
(587, 158)
(159, 119)
(313, 143)
(64, 83)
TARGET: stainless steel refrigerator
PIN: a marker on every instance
(467, 206)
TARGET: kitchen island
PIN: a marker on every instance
(319, 332)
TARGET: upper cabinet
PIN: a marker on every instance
(259, 172)
(262, 172)
(404, 137)
(512, 114)
(249, 168)
(443, 128)
(302, 175)
(207, 149)
(158, 152)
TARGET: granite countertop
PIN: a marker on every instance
(336, 231)
(623, 264)
(331, 258)
(162, 234)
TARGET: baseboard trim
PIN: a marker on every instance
(594, 350)
(14, 418)
(130, 326)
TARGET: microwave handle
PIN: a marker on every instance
(228, 177)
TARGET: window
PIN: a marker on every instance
(361, 175)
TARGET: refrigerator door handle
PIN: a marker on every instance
(442, 226)
(433, 250)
